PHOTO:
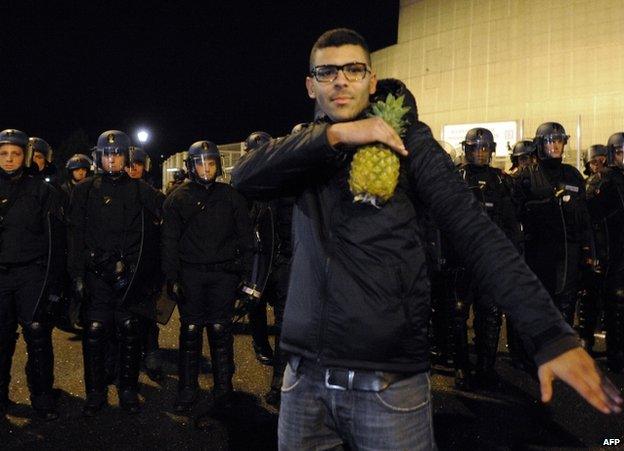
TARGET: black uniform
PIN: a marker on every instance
(31, 260)
(107, 235)
(207, 246)
(605, 201)
(276, 289)
(492, 191)
(551, 201)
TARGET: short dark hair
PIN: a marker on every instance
(339, 37)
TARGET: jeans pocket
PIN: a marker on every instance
(406, 395)
(291, 379)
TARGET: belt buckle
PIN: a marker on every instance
(351, 375)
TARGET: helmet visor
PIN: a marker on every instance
(205, 167)
(113, 160)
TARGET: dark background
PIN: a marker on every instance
(216, 71)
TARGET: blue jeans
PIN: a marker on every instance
(314, 417)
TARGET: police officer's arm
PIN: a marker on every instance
(284, 166)
(76, 223)
(151, 198)
(170, 235)
(244, 232)
(500, 271)
(58, 237)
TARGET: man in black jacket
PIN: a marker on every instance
(106, 244)
(206, 250)
(357, 312)
(31, 260)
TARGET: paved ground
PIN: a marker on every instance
(510, 419)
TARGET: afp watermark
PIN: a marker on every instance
(611, 442)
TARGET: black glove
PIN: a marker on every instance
(79, 290)
(175, 291)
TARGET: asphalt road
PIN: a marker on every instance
(511, 418)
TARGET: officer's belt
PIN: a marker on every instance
(345, 379)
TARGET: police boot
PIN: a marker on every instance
(273, 396)
(259, 334)
(8, 339)
(111, 360)
(487, 325)
(94, 342)
(153, 360)
(40, 369)
(130, 362)
(461, 359)
(615, 334)
(221, 344)
(189, 355)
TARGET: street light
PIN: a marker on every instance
(143, 136)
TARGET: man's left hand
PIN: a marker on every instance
(577, 369)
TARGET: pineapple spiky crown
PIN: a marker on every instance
(392, 111)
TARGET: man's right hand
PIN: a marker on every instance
(365, 131)
(175, 291)
(79, 290)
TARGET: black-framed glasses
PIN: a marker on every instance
(327, 73)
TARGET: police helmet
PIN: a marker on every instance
(112, 142)
(255, 140)
(16, 138)
(615, 144)
(597, 150)
(78, 161)
(39, 145)
(198, 153)
(139, 155)
(478, 138)
(547, 133)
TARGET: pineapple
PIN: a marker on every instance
(375, 168)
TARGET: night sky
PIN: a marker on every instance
(217, 71)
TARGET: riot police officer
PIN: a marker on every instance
(614, 283)
(40, 161)
(602, 191)
(78, 168)
(490, 188)
(31, 257)
(107, 240)
(151, 282)
(206, 250)
(272, 218)
(263, 223)
(522, 155)
(551, 200)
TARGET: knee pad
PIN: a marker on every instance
(219, 328)
(95, 331)
(190, 333)
(129, 328)
(36, 331)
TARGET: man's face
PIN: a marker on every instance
(11, 157)
(206, 168)
(619, 157)
(341, 100)
(113, 162)
(39, 160)
(136, 170)
(480, 156)
(554, 148)
(596, 164)
(524, 161)
(79, 174)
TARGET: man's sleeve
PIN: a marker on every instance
(58, 236)
(284, 166)
(171, 233)
(493, 261)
